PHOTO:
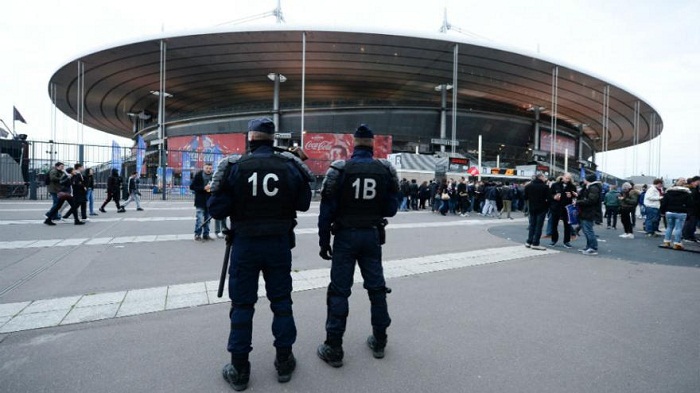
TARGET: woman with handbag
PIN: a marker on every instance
(444, 193)
(65, 195)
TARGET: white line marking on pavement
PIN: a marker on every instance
(20, 316)
(25, 244)
(129, 219)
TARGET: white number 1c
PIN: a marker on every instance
(265, 183)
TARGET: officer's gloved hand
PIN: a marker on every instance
(326, 252)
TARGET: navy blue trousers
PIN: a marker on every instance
(359, 246)
(272, 256)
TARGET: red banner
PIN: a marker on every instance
(324, 148)
(198, 149)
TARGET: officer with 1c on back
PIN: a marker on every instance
(261, 192)
(356, 197)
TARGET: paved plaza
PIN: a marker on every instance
(127, 303)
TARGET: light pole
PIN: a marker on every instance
(277, 78)
(161, 134)
(443, 88)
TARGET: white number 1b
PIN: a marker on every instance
(368, 186)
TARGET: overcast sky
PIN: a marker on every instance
(650, 48)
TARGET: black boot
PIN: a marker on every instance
(237, 377)
(285, 367)
(78, 222)
(49, 222)
(331, 355)
(377, 346)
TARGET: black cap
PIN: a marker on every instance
(363, 131)
(262, 124)
(591, 178)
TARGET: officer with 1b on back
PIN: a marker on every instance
(356, 197)
(261, 192)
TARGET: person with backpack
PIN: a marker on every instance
(612, 206)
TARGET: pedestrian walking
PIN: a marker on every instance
(114, 182)
(134, 193)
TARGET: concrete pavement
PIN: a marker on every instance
(536, 322)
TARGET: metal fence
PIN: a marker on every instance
(24, 166)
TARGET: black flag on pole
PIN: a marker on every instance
(16, 116)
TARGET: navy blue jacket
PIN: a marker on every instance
(221, 203)
(329, 203)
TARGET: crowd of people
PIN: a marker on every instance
(652, 203)
(677, 207)
(462, 197)
(73, 187)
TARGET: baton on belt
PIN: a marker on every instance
(224, 268)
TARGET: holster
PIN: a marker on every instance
(381, 228)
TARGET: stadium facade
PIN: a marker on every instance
(428, 93)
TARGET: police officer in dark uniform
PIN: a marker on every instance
(356, 197)
(261, 192)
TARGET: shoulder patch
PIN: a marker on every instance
(299, 164)
(222, 170)
(338, 165)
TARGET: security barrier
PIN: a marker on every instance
(24, 167)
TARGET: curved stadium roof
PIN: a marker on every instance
(221, 70)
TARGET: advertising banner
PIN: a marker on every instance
(140, 154)
(563, 143)
(324, 148)
(203, 148)
(116, 156)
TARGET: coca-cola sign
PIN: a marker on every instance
(318, 145)
(324, 148)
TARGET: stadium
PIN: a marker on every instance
(428, 97)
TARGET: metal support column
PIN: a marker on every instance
(161, 117)
(303, 87)
(455, 65)
(276, 103)
(443, 114)
(553, 130)
(537, 129)
(606, 118)
(80, 100)
(635, 138)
